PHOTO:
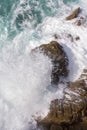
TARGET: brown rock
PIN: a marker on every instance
(56, 127)
(74, 14)
(58, 57)
(68, 114)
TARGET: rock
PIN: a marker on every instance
(80, 21)
(69, 113)
(84, 75)
(77, 38)
(74, 14)
(58, 57)
(70, 37)
(56, 127)
(55, 36)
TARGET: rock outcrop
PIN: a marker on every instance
(74, 14)
(70, 112)
(58, 57)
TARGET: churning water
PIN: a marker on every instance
(25, 24)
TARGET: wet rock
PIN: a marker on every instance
(80, 21)
(70, 112)
(85, 71)
(70, 37)
(56, 36)
(56, 127)
(58, 57)
(74, 14)
(84, 75)
(77, 38)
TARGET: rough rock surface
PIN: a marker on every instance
(74, 14)
(70, 112)
(58, 57)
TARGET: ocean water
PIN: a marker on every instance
(25, 24)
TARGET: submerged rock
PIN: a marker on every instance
(58, 57)
(74, 14)
(69, 36)
(80, 21)
(56, 36)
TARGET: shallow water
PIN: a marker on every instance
(25, 24)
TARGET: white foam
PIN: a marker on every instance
(23, 84)
(24, 80)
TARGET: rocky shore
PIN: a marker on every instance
(69, 112)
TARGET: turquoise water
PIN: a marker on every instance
(14, 13)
